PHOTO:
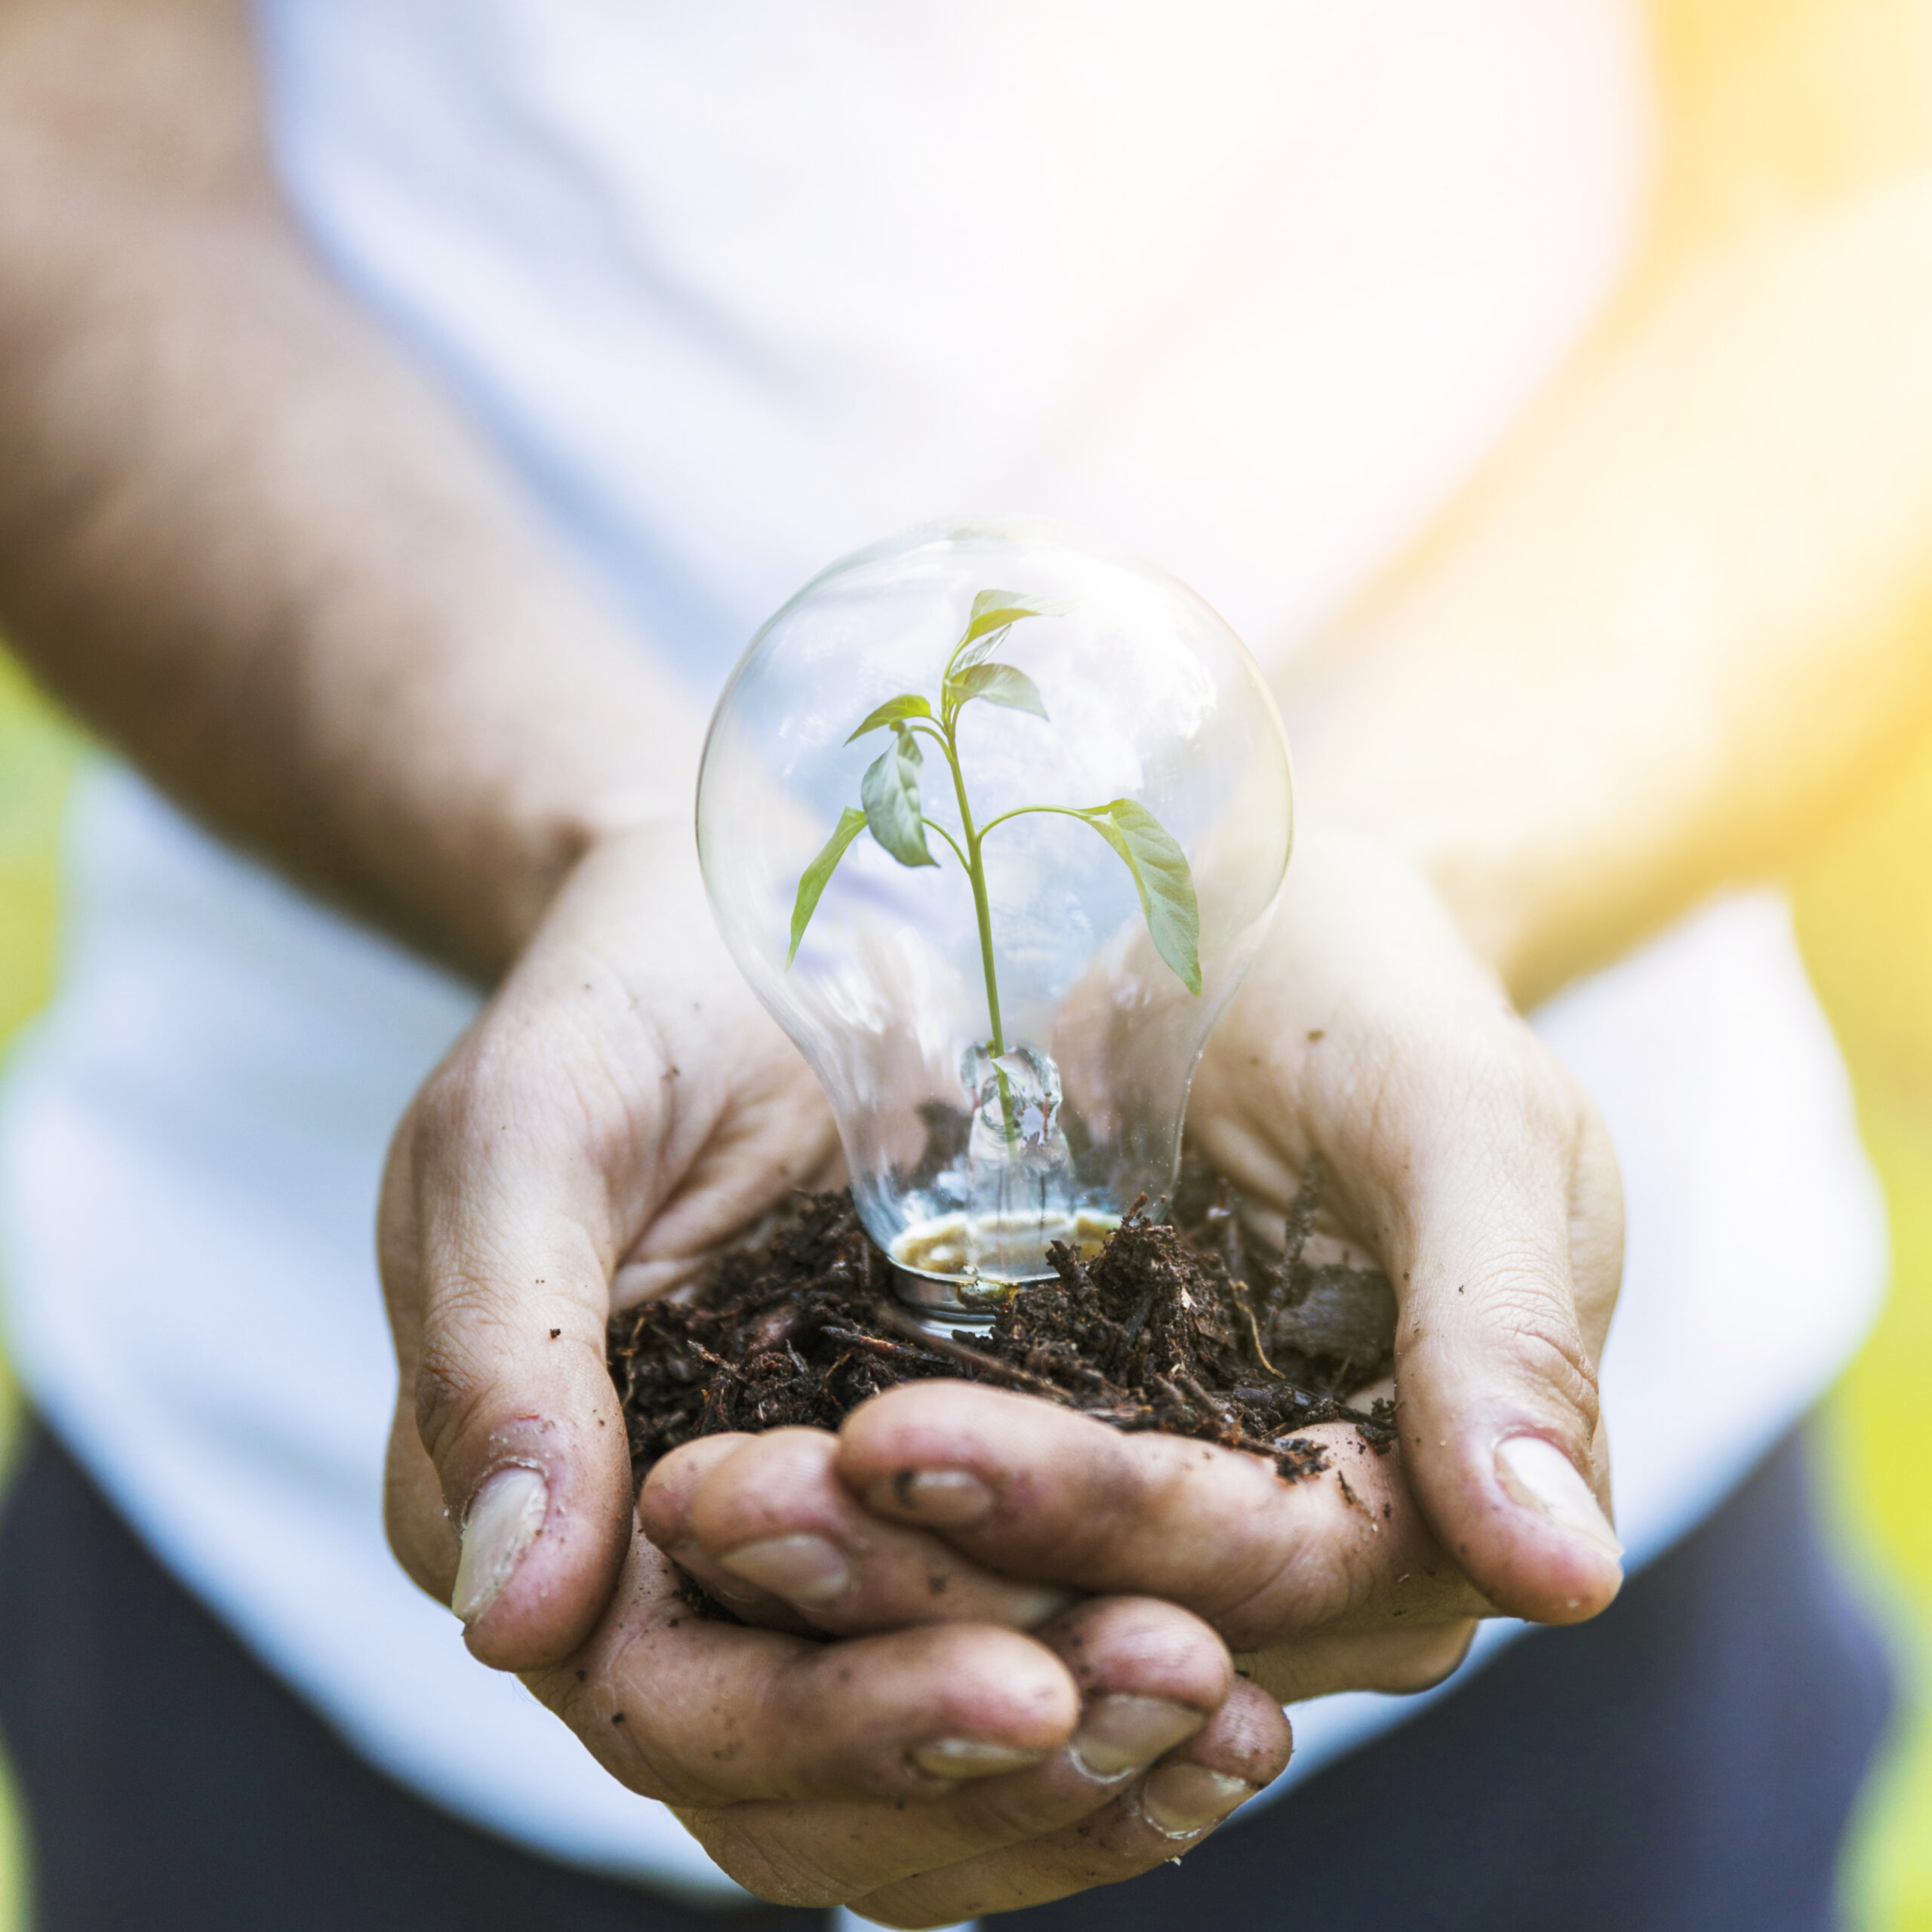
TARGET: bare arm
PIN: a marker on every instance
(241, 536)
(1689, 607)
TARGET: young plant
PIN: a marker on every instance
(889, 808)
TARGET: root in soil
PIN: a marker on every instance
(1197, 1329)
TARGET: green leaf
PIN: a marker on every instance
(1161, 877)
(817, 876)
(890, 792)
(994, 610)
(994, 613)
(910, 705)
(967, 655)
(997, 684)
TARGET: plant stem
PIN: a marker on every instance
(932, 825)
(976, 872)
(1020, 811)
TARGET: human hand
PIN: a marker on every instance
(622, 1106)
(1461, 1155)
(927, 1775)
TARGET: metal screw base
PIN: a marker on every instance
(943, 1302)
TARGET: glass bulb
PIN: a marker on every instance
(994, 821)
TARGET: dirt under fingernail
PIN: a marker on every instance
(951, 1498)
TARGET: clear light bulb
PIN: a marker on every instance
(994, 821)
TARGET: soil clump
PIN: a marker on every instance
(1198, 1328)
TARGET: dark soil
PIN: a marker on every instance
(1197, 1329)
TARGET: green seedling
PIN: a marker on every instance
(889, 808)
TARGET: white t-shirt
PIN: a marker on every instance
(737, 288)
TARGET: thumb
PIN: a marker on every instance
(1504, 1240)
(508, 1494)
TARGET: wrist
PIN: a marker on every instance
(606, 838)
(601, 760)
(1363, 903)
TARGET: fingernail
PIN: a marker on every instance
(803, 1569)
(1120, 1734)
(1539, 1476)
(966, 1758)
(1030, 1605)
(950, 1497)
(697, 1563)
(502, 1522)
(1179, 1800)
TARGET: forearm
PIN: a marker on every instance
(246, 541)
(1686, 616)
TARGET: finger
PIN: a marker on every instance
(1458, 1147)
(1154, 1678)
(1190, 1792)
(1047, 1493)
(420, 1532)
(614, 1073)
(498, 1490)
(1503, 1240)
(1596, 1229)
(1396, 1662)
(423, 1538)
(772, 1514)
(661, 1507)
(703, 1713)
(500, 1314)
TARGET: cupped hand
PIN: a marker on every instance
(1328, 1583)
(1462, 1154)
(1458, 1152)
(621, 1107)
(931, 1773)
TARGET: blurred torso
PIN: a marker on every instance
(1247, 287)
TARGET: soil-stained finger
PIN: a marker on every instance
(772, 1515)
(663, 1511)
(1162, 1815)
(1049, 1494)
(1397, 1662)
(696, 1712)
(1155, 1678)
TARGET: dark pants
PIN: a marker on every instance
(1687, 1760)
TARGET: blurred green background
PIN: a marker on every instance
(1864, 900)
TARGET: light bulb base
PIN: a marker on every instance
(943, 1302)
